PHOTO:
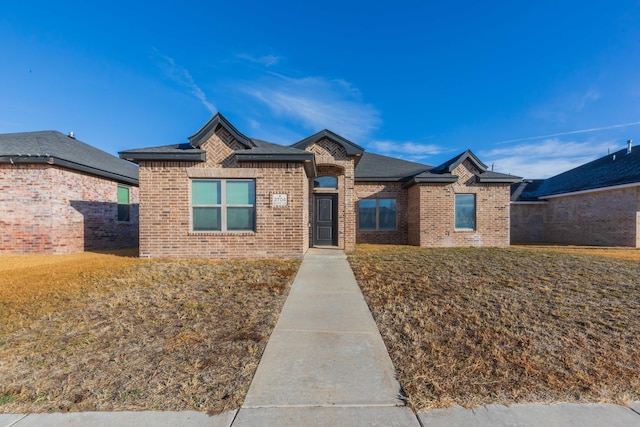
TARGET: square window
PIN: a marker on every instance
(223, 205)
(377, 214)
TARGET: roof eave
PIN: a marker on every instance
(52, 160)
(173, 157)
(501, 180)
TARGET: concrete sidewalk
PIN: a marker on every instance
(325, 363)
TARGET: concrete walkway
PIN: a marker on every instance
(325, 363)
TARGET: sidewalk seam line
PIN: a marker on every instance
(327, 332)
(17, 421)
(381, 405)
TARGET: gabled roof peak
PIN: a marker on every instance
(351, 148)
(215, 123)
(453, 163)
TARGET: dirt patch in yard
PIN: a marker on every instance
(147, 335)
(480, 326)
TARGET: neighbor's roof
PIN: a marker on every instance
(56, 148)
(611, 170)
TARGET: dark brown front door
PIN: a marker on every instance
(325, 220)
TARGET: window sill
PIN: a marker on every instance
(222, 233)
(464, 230)
(377, 231)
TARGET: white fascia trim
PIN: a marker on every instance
(593, 190)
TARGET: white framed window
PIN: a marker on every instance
(465, 212)
(124, 204)
(377, 214)
(223, 204)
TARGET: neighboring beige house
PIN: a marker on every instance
(597, 204)
(225, 195)
(59, 195)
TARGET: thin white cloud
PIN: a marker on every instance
(182, 77)
(545, 158)
(591, 96)
(573, 132)
(317, 103)
(266, 60)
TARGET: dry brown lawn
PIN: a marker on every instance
(98, 332)
(479, 326)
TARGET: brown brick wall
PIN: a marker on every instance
(165, 210)
(603, 218)
(384, 190)
(431, 210)
(527, 223)
(51, 210)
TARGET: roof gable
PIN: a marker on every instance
(55, 148)
(453, 163)
(215, 123)
(350, 148)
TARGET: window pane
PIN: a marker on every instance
(465, 212)
(205, 192)
(123, 195)
(123, 212)
(240, 219)
(325, 182)
(387, 214)
(206, 219)
(367, 214)
(241, 193)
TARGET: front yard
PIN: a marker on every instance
(479, 326)
(97, 332)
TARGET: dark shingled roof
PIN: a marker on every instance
(525, 191)
(369, 166)
(611, 170)
(56, 148)
(374, 167)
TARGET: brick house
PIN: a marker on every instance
(59, 195)
(225, 195)
(595, 204)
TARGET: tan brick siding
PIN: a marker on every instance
(51, 210)
(602, 218)
(332, 160)
(165, 209)
(431, 209)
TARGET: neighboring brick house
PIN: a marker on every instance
(224, 195)
(596, 204)
(59, 195)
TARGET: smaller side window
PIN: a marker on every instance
(124, 208)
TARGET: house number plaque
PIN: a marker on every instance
(278, 200)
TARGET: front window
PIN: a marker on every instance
(124, 206)
(377, 214)
(465, 211)
(223, 205)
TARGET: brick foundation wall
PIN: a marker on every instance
(384, 190)
(431, 210)
(602, 218)
(45, 209)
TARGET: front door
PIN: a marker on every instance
(325, 220)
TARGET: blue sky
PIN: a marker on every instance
(533, 88)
